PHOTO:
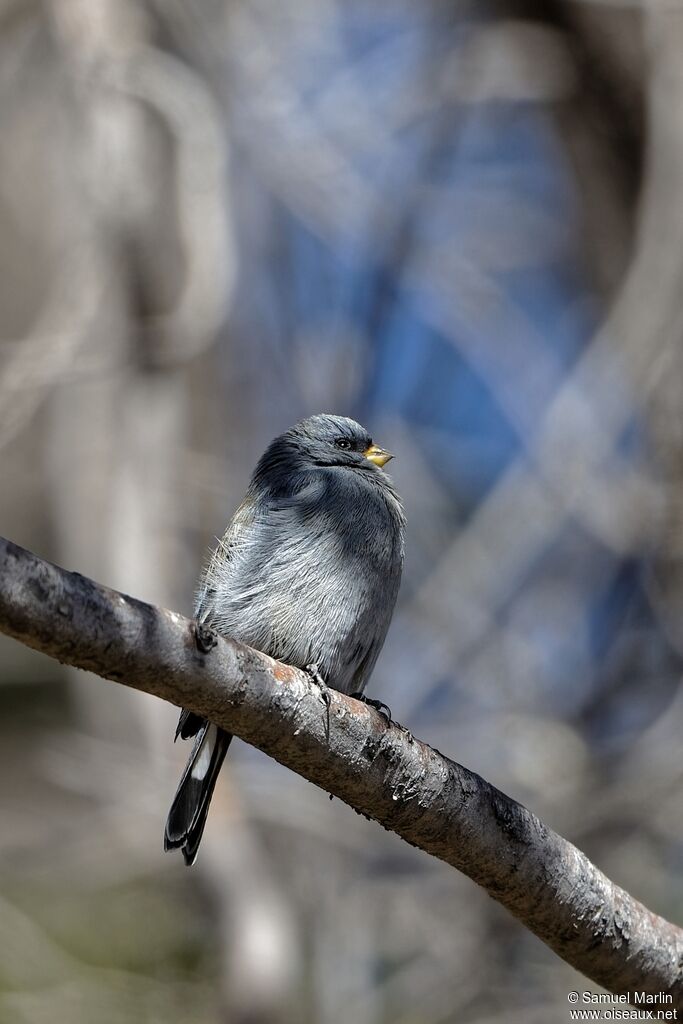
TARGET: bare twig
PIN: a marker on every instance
(379, 770)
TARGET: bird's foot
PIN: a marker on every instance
(205, 638)
(313, 671)
(378, 705)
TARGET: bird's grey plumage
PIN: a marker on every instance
(308, 572)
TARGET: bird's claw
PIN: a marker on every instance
(313, 671)
(378, 705)
(205, 638)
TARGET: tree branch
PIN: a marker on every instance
(350, 751)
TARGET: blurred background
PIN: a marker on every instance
(462, 224)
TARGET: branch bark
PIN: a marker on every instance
(350, 751)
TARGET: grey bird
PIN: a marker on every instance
(307, 571)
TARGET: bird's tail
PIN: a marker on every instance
(187, 816)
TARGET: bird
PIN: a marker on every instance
(308, 572)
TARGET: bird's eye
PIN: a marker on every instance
(343, 443)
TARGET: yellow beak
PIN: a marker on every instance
(377, 455)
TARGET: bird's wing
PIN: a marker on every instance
(235, 535)
(258, 534)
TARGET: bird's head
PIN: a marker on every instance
(324, 440)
